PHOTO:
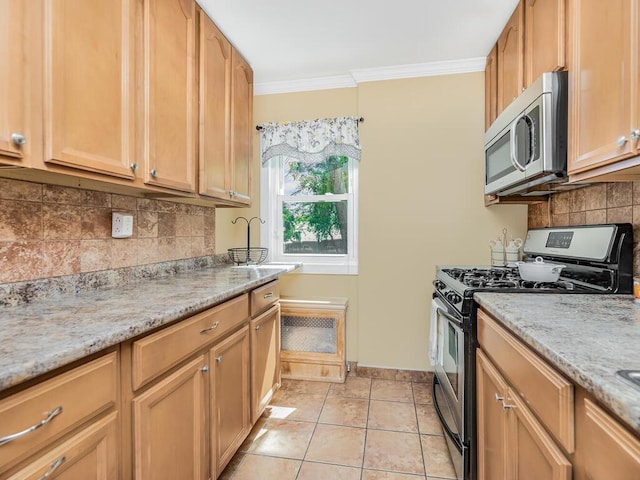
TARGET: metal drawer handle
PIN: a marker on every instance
(505, 406)
(9, 438)
(18, 139)
(212, 327)
(258, 327)
(219, 359)
(498, 398)
(268, 295)
(54, 466)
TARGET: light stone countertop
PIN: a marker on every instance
(586, 337)
(44, 335)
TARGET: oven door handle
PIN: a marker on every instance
(453, 436)
(448, 316)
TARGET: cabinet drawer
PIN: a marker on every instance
(547, 393)
(160, 351)
(66, 400)
(265, 296)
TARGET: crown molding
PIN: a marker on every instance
(448, 67)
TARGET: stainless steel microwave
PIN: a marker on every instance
(526, 146)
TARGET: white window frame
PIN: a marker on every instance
(271, 199)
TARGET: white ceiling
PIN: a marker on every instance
(299, 40)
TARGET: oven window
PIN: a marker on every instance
(451, 358)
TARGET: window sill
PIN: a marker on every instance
(324, 269)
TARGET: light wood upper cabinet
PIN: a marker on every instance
(604, 84)
(230, 399)
(169, 426)
(241, 128)
(491, 88)
(215, 112)
(170, 95)
(544, 27)
(510, 59)
(89, 82)
(17, 140)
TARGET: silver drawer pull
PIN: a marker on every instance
(10, 438)
(219, 359)
(258, 327)
(498, 398)
(54, 466)
(268, 295)
(506, 406)
(212, 327)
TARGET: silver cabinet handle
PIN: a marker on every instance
(498, 398)
(635, 134)
(134, 167)
(18, 139)
(506, 406)
(54, 466)
(205, 369)
(268, 295)
(212, 327)
(50, 416)
(620, 141)
(154, 173)
(258, 327)
(219, 359)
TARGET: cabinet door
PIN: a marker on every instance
(491, 88)
(230, 397)
(492, 421)
(13, 94)
(545, 32)
(533, 453)
(92, 454)
(265, 359)
(89, 85)
(608, 450)
(510, 59)
(241, 131)
(601, 76)
(170, 100)
(169, 425)
(215, 90)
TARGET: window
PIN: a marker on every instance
(311, 212)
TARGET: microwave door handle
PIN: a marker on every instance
(512, 143)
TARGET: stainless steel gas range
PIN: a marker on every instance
(598, 259)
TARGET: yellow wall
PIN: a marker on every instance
(421, 185)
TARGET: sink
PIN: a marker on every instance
(632, 376)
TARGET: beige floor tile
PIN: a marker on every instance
(396, 416)
(428, 420)
(393, 451)
(351, 412)
(295, 406)
(422, 393)
(391, 390)
(256, 431)
(282, 438)
(324, 471)
(378, 475)
(437, 459)
(232, 466)
(267, 468)
(338, 445)
(358, 387)
(305, 386)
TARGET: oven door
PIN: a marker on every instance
(449, 367)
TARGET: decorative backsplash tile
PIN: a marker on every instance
(617, 202)
(50, 231)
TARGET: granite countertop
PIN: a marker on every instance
(586, 337)
(41, 336)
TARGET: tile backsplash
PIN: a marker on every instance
(49, 231)
(599, 203)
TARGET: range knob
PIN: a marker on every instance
(439, 284)
(453, 297)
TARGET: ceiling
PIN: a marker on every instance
(289, 41)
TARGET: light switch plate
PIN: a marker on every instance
(121, 225)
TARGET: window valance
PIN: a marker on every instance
(310, 141)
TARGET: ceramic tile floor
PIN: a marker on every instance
(363, 429)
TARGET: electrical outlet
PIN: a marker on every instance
(121, 225)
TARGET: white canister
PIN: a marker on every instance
(512, 251)
(497, 253)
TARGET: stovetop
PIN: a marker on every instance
(499, 278)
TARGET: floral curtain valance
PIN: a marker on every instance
(310, 141)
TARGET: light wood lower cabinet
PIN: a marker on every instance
(518, 446)
(230, 399)
(265, 359)
(169, 426)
